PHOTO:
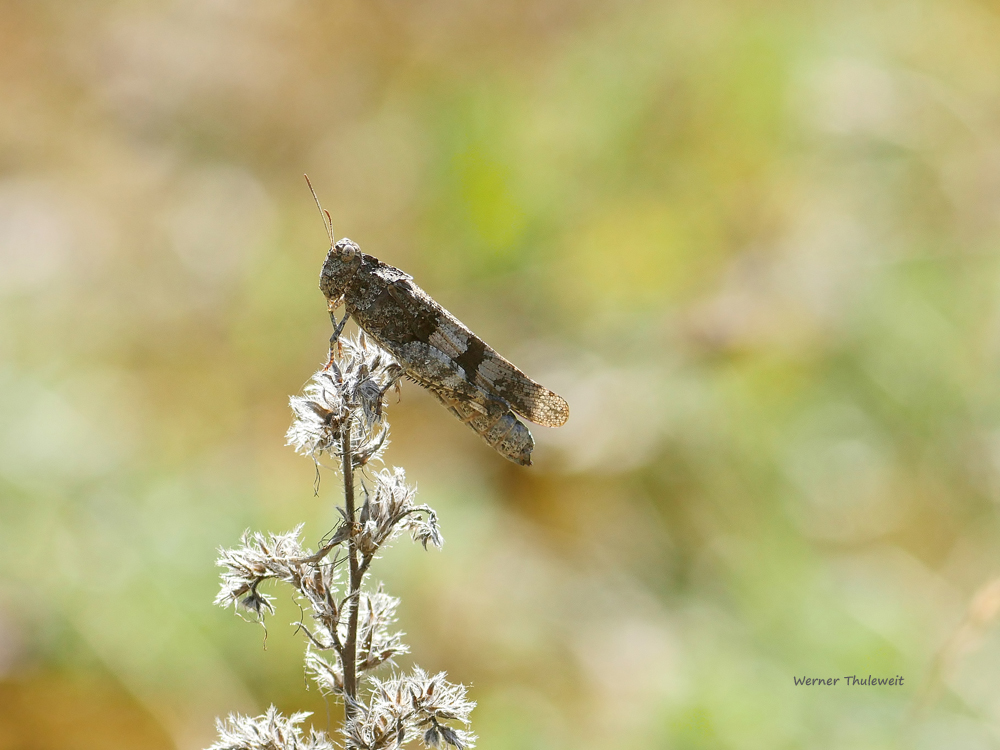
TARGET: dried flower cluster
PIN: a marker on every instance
(346, 395)
(350, 630)
(410, 706)
(267, 732)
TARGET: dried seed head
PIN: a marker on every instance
(319, 415)
(271, 731)
(390, 509)
(348, 392)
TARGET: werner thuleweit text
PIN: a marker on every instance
(850, 680)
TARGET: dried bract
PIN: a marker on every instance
(329, 676)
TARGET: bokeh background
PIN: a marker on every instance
(754, 244)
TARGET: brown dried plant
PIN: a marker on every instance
(341, 415)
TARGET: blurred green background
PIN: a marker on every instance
(754, 244)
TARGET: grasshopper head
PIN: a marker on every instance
(339, 269)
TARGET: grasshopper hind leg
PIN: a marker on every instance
(501, 430)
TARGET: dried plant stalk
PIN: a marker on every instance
(349, 633)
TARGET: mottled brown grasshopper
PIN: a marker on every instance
(436, 350)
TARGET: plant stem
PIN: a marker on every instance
(349, 656)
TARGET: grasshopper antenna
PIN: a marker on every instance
(327, 221)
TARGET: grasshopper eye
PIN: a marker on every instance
(346, 249)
